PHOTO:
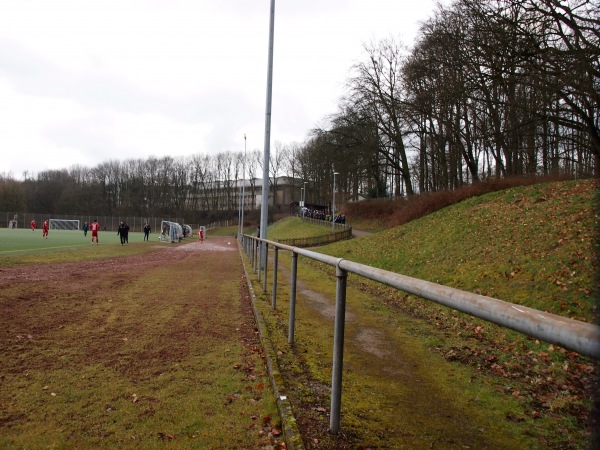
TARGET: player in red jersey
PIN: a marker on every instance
(45, 230)
(33, 225)
(94, 228)
(201, 235)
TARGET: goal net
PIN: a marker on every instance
(170, 231)
(64, 224)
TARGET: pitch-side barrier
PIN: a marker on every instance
(580, 337)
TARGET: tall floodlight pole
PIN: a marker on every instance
(243, 188)
(240, 211)
(333, 205)
(264, 207)
(301, 197)
(240, 217)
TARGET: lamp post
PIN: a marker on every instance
(240, 216)
(301, 197)
(242, 203)
(304, 199)
(333, 204)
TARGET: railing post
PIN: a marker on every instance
(257, 257)
(255, 253)
(274, 296)
(265, 266)
(249, 250)
(338, 349)
(293, 297)
(260, 260)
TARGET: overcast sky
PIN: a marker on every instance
(85, 82)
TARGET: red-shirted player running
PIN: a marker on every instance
(33, 225)
(45, 230)
(94, 228)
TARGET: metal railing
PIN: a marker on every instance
(580, 337)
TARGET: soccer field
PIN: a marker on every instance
(20, 241)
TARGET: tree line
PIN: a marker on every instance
(490, 89)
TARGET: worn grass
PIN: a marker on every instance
(529, 245)
(150, 358)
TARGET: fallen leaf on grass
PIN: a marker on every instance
(231, 398)
(166, 435)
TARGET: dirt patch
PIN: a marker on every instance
(317, 300)
(373, 341)
(165, 253)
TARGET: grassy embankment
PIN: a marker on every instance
(530, 245)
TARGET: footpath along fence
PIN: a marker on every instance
(580, 337)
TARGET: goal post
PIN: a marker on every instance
(170, 231)
(63, 224)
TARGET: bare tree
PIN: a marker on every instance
(12, 197)
(377, 90)
(569, 53)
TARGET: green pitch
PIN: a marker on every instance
(20, 241)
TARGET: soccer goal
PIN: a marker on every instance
(64, 224)
(170, 232)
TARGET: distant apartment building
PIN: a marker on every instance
(283, 191)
